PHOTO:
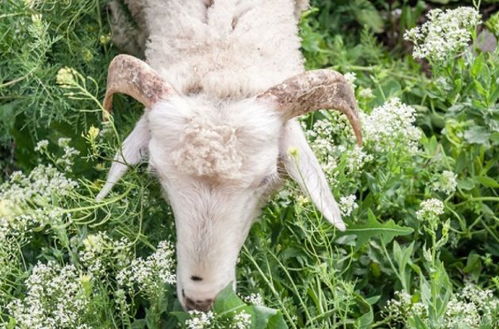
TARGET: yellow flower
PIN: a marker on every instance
(66, 76)
(93, 132)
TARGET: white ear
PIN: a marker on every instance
(134, 148)
(306, 171)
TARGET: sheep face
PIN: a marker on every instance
(216, 163)
(217, 159)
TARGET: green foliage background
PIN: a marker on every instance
(309, 275)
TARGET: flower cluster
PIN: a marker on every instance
(347, 204)
(66, 160)
(28, 200)
(42, 183)
(199, 320)
(41, 146)
(101, 252)
(351, 77)
(447, 182)
(430, 209)
(391, 124)
(446, 33)
(151, 273)
(255, 299)
(357, 158)
(366, 93)
(402, 307)
(66, 77)
(241, 320)
(321, 141)
(57, 297)
(469, 308)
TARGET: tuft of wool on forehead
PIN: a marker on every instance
(209, 149)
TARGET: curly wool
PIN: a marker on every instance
(225, 49)
(209, 150)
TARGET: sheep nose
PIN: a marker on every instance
(198, 305)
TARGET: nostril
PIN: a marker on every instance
(196, 278)
(198, 305)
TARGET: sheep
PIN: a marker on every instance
(222, 84)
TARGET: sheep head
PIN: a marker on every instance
(217, 161)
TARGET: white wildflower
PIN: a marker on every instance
(321, 141)
(356, 159)
(55, 298)
(241, 320)
(41, 145)
(468, 308)
(351, 77)
(31, 200)
(366, 93)
(443, 83)
(430, 208)
(445, 34)
(67, 159)
(398, 307)
(347, 204)
(199, 320)
(102, 252)
(254, 298)
(152, 272)
(285, 197)
(391, 124)
(447, 182)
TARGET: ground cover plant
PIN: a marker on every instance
(420, 198)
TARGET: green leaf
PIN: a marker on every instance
(227, 300)
(466, 184)
(374, 229)
(276, 322)
(487, 181)
(366, 14)
(473, 265)
(366, 320)
(139, 324)
(477, 135)
(265, 317)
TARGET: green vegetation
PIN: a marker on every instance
(420, 198)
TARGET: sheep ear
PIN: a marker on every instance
(304, 168)
(133, 150)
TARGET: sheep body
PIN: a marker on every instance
(223, 125)
(225, 49)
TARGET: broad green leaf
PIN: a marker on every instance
(227, 300)
(373, 229)
(267, 318)
(276, 322)
(487, 181)
(466, 184)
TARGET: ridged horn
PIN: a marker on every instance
(131, 76)
(314, 90)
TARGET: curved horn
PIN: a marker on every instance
(131, 76)
(313, 90)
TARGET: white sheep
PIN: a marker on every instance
(222, 83)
